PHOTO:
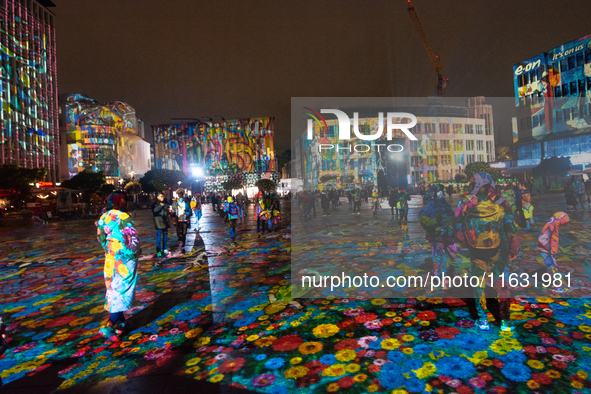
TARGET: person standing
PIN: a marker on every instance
(588, 191)
(376, 203)
(232, 212)
(357, 202)
(196, 208)
(403, 200)
(569, 195)
(182, 210)
(160, 213)
(490, 234)
(325, 204)
(436, 217)
(117, 235)
(450, 190)
(260, 213)
(393, 201)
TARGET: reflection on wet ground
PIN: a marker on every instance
(228, 325)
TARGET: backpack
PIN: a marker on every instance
(482, 225)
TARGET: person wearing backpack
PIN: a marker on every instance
(161, 223)
(489, 232)
(436, 217)
(182, 210)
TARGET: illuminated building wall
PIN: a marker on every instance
(553, 99)
(100, 137)
(444, 146)
(223, 149)
(28, 86)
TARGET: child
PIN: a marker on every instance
(276, 213)
(548, 244)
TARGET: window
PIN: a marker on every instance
(580, 59)
(558, 116)
(428, 128)
(469, 129)
(571, 62)
(458, 129)
(557, 92)
(581, 85)
(470, 145)
(566, 114)
(479, 145)
(535, 120)
(444, 145)
(583, 111)
(480, 157)
(479, 129)
(542, 119)
(573, 87)
(458, 145)
(565, 90)
(563, 65)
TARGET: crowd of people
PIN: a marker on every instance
(117, 235)
(486, 222)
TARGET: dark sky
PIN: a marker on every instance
(172, 59)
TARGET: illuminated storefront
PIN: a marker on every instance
(222, 150)
(28, 86)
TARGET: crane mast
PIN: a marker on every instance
(441, 81)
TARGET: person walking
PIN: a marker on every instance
(548, 245)
(160, 213)
(325, 204)
(588, 192)
(117, 235)
(260, 213)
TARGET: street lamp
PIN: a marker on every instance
(132, 174)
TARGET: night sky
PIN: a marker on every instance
(178, 59)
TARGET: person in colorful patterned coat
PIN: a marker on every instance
(490, 234)
(118, 237)
(436, 217)
(548, 243)
(232, 211)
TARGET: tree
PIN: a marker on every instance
(553, 166)
(161, 180)
(107, 188)
(461, 178)
(133, 187)
(15, 180)
(232, 184)
(88, 181)
(481, 166)
(265, 185)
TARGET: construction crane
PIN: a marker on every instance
(441, 81)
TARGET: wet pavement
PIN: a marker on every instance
(217, 327)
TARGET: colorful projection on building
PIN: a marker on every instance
(225, 148)
(28, 121)
(556, 87)
(100, 137)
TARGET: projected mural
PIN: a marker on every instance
(28, 125)
(103, 138)
(225, 148)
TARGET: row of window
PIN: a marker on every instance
(561, 115)
(425, 128)
(566, 64)
(444, 145)
(448, 160)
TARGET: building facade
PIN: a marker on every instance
(447, 140)
(553, 100)
(28, 86)
(98, 137)
(222, 149)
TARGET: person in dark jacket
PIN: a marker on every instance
(325, 204)
(393, 201)
(160, 212)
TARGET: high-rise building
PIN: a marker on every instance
(29, 133)
(553, 100)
